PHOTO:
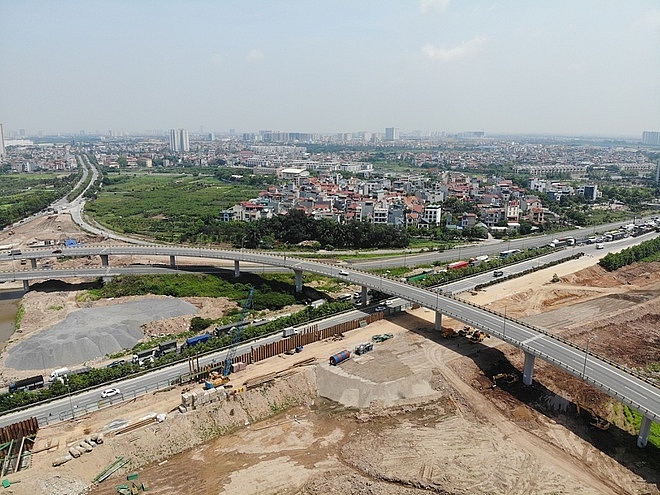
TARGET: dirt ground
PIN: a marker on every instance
(465, 435)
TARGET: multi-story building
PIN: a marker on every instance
(179, 141)
(651, 138)
(391, 134)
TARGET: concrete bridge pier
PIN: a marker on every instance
(438, 320)
(644, 431)
(364, 295)
(33, 263)
(104, 259)
(299, 284)
(528, 371)
(172, 261)
(26, 286)
(237, 268)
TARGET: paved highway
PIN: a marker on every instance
(613, 380)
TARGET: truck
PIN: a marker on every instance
(458, 265)
(289, 331)
(479, 260)
(363, 348)
(147, 356)
(562, 241)
(15, 252)
(25, 384)
(166, 347)
(58, 374)
(197, 339)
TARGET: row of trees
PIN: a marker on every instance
(628, 256)
(297, 227)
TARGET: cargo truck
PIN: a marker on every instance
(31, 383)
(289, 331)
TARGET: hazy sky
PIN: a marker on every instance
(589, 67)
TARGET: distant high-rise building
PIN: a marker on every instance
(2, 142)
(391, 134)
(651, 138)
(179, 141)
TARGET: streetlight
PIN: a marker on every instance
(504, 323)
(586, 354)
(66, 381)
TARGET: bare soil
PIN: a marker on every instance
(466, 435)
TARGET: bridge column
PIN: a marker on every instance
(299, 284)
(528, 371)
(237, 269)
(104, 259)
(33, 263)
(172, 261)
(364, 296)
(26, 286)
(644, 430)
(438, 320)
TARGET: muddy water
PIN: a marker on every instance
(9, 301)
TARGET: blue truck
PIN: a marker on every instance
(197, 339)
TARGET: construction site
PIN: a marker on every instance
(383, 406)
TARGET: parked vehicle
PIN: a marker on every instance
(362, 348)
(197, 339)
(562, 241)
(59, 373)
(167, 347)
(147, 356)
(380, 308)
(25, 384)
(114, 364)
(458, 265)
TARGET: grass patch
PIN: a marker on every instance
(20, 313)
(55, 308)
(633, 421)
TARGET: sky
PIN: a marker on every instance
(561, 67)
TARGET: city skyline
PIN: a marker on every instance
(428, 66)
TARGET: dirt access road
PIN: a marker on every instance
(451, 432)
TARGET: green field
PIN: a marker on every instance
(21, 195)
(164, 206)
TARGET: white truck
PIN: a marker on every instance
(289, 331)
(58, 374)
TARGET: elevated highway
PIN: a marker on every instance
(618, 382)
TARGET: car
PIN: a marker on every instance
(380, 308)
(343, 272)
(116, 363)
(498, 273)
(600, 245)
(110, 392)
(57, 251)
(389, 302)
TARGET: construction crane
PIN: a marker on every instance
(237, 333)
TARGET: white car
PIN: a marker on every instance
(343, 272)
(600, 246)
(110, 392)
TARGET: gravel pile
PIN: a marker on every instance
(93, 332)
